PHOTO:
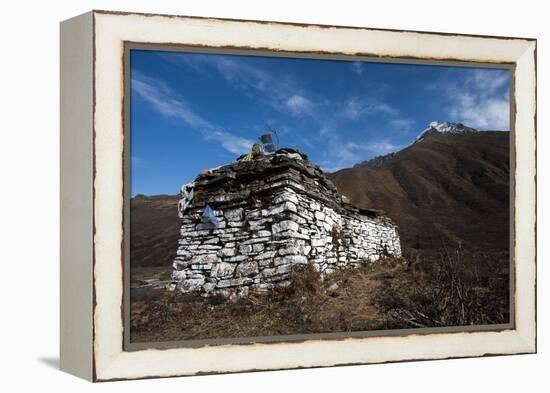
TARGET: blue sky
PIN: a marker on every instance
(190, 111)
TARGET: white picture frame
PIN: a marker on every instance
(93, 192)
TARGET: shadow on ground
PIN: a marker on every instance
(52, 362)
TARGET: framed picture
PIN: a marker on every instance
(245, 195)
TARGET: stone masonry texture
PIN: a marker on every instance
(274, 212)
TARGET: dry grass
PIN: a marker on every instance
(450, 288)
(445, 289)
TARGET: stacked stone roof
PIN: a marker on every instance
(237, 182)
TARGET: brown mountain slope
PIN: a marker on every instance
(154, 230)
(445, 189)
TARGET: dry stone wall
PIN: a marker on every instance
(273, 213)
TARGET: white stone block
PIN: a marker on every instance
(285, 225)
(247, 269)
(191, 284)
(234, 214)
(222, 269)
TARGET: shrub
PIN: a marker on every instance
(448, 289)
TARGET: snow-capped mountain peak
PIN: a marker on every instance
(444, 127)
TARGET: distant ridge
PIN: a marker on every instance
(377, 161)
(435, 127)
(451, 188)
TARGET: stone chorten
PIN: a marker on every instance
(268, 214)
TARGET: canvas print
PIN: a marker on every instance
(282, 196)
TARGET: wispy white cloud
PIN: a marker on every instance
(480, 99)
(346, 154)
(280, 91)
(382, 107)
(355, 108)
(488, 79)
(376, 146)
(343, 153)
(299, 105)
(171, 105)
(197, 62)
(357, 67)
(483, 113)
(404, 125)
(284, 93)
(244, 75)
(324, 129)
(230, 142)
(162, 99)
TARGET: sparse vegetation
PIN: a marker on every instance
(449, 288)
(445, 288)
(449, 188)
